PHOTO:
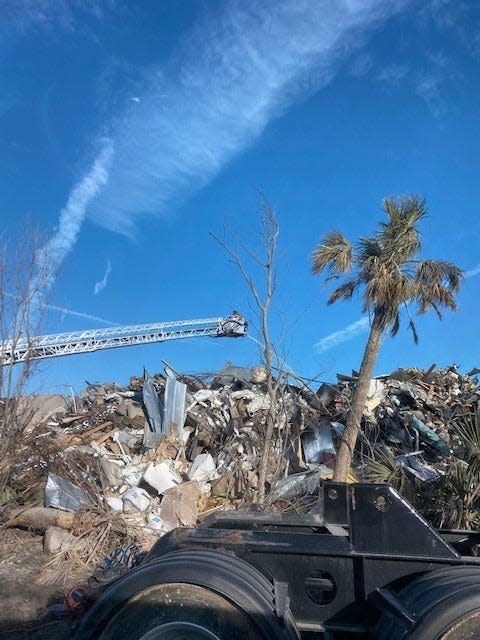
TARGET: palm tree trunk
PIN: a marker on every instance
(354, 417)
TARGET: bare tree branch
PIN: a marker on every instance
(263, 302)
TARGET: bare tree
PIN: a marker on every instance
(23, 275)
(262, 295)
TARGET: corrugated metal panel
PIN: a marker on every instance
(175, 396)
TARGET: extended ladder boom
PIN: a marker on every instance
(62, 344)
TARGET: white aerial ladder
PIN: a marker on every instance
(62, 344)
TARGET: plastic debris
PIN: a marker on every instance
(424, 472)
(135, 499)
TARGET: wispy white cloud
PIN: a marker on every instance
(392, 73)
(237, 70)
(430, 81)
(101, 284)
(473, 272)
(54, 252)
(19, 18)
(343, 335)
(361, 65)
(427, 87)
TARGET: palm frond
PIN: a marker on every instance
(334, 252)
(434, 297)
(381, 468)
(413, 329)
(435, 284)
(368, 249)
(344, 292)
(395, 325)
(439, 272)
(387, 288)
(459, 497)
(405, 210)
(399, 237)
(468, 428)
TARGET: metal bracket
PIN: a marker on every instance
(281, 598)
(387, 602)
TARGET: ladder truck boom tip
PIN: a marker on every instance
(63, 344)
(234, 326)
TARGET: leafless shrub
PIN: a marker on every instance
(23, 279)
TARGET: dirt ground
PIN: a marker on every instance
(24, 603)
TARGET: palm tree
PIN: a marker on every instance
(386, 269)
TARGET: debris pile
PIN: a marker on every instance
(166, 450)
(163, 446)
(413, 414)
(133, 462)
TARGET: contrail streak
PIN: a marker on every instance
(79, 314)
(51, 256)
(343, 335)
(360, 326)
(472, 272)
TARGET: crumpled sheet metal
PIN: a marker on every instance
(152, 405)
(317, 441)
(421, 470)
(63, 494)
(305, 483)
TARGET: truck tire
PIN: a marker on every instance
(445, 604)
(194, 592)
(180, 612)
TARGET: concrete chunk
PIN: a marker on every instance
(56, 539)
(179, 505)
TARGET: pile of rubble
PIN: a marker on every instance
(413, 414)
(166, 450)
(162, 450)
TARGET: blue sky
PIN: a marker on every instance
(130, 131)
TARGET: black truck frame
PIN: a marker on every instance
(365, 564)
